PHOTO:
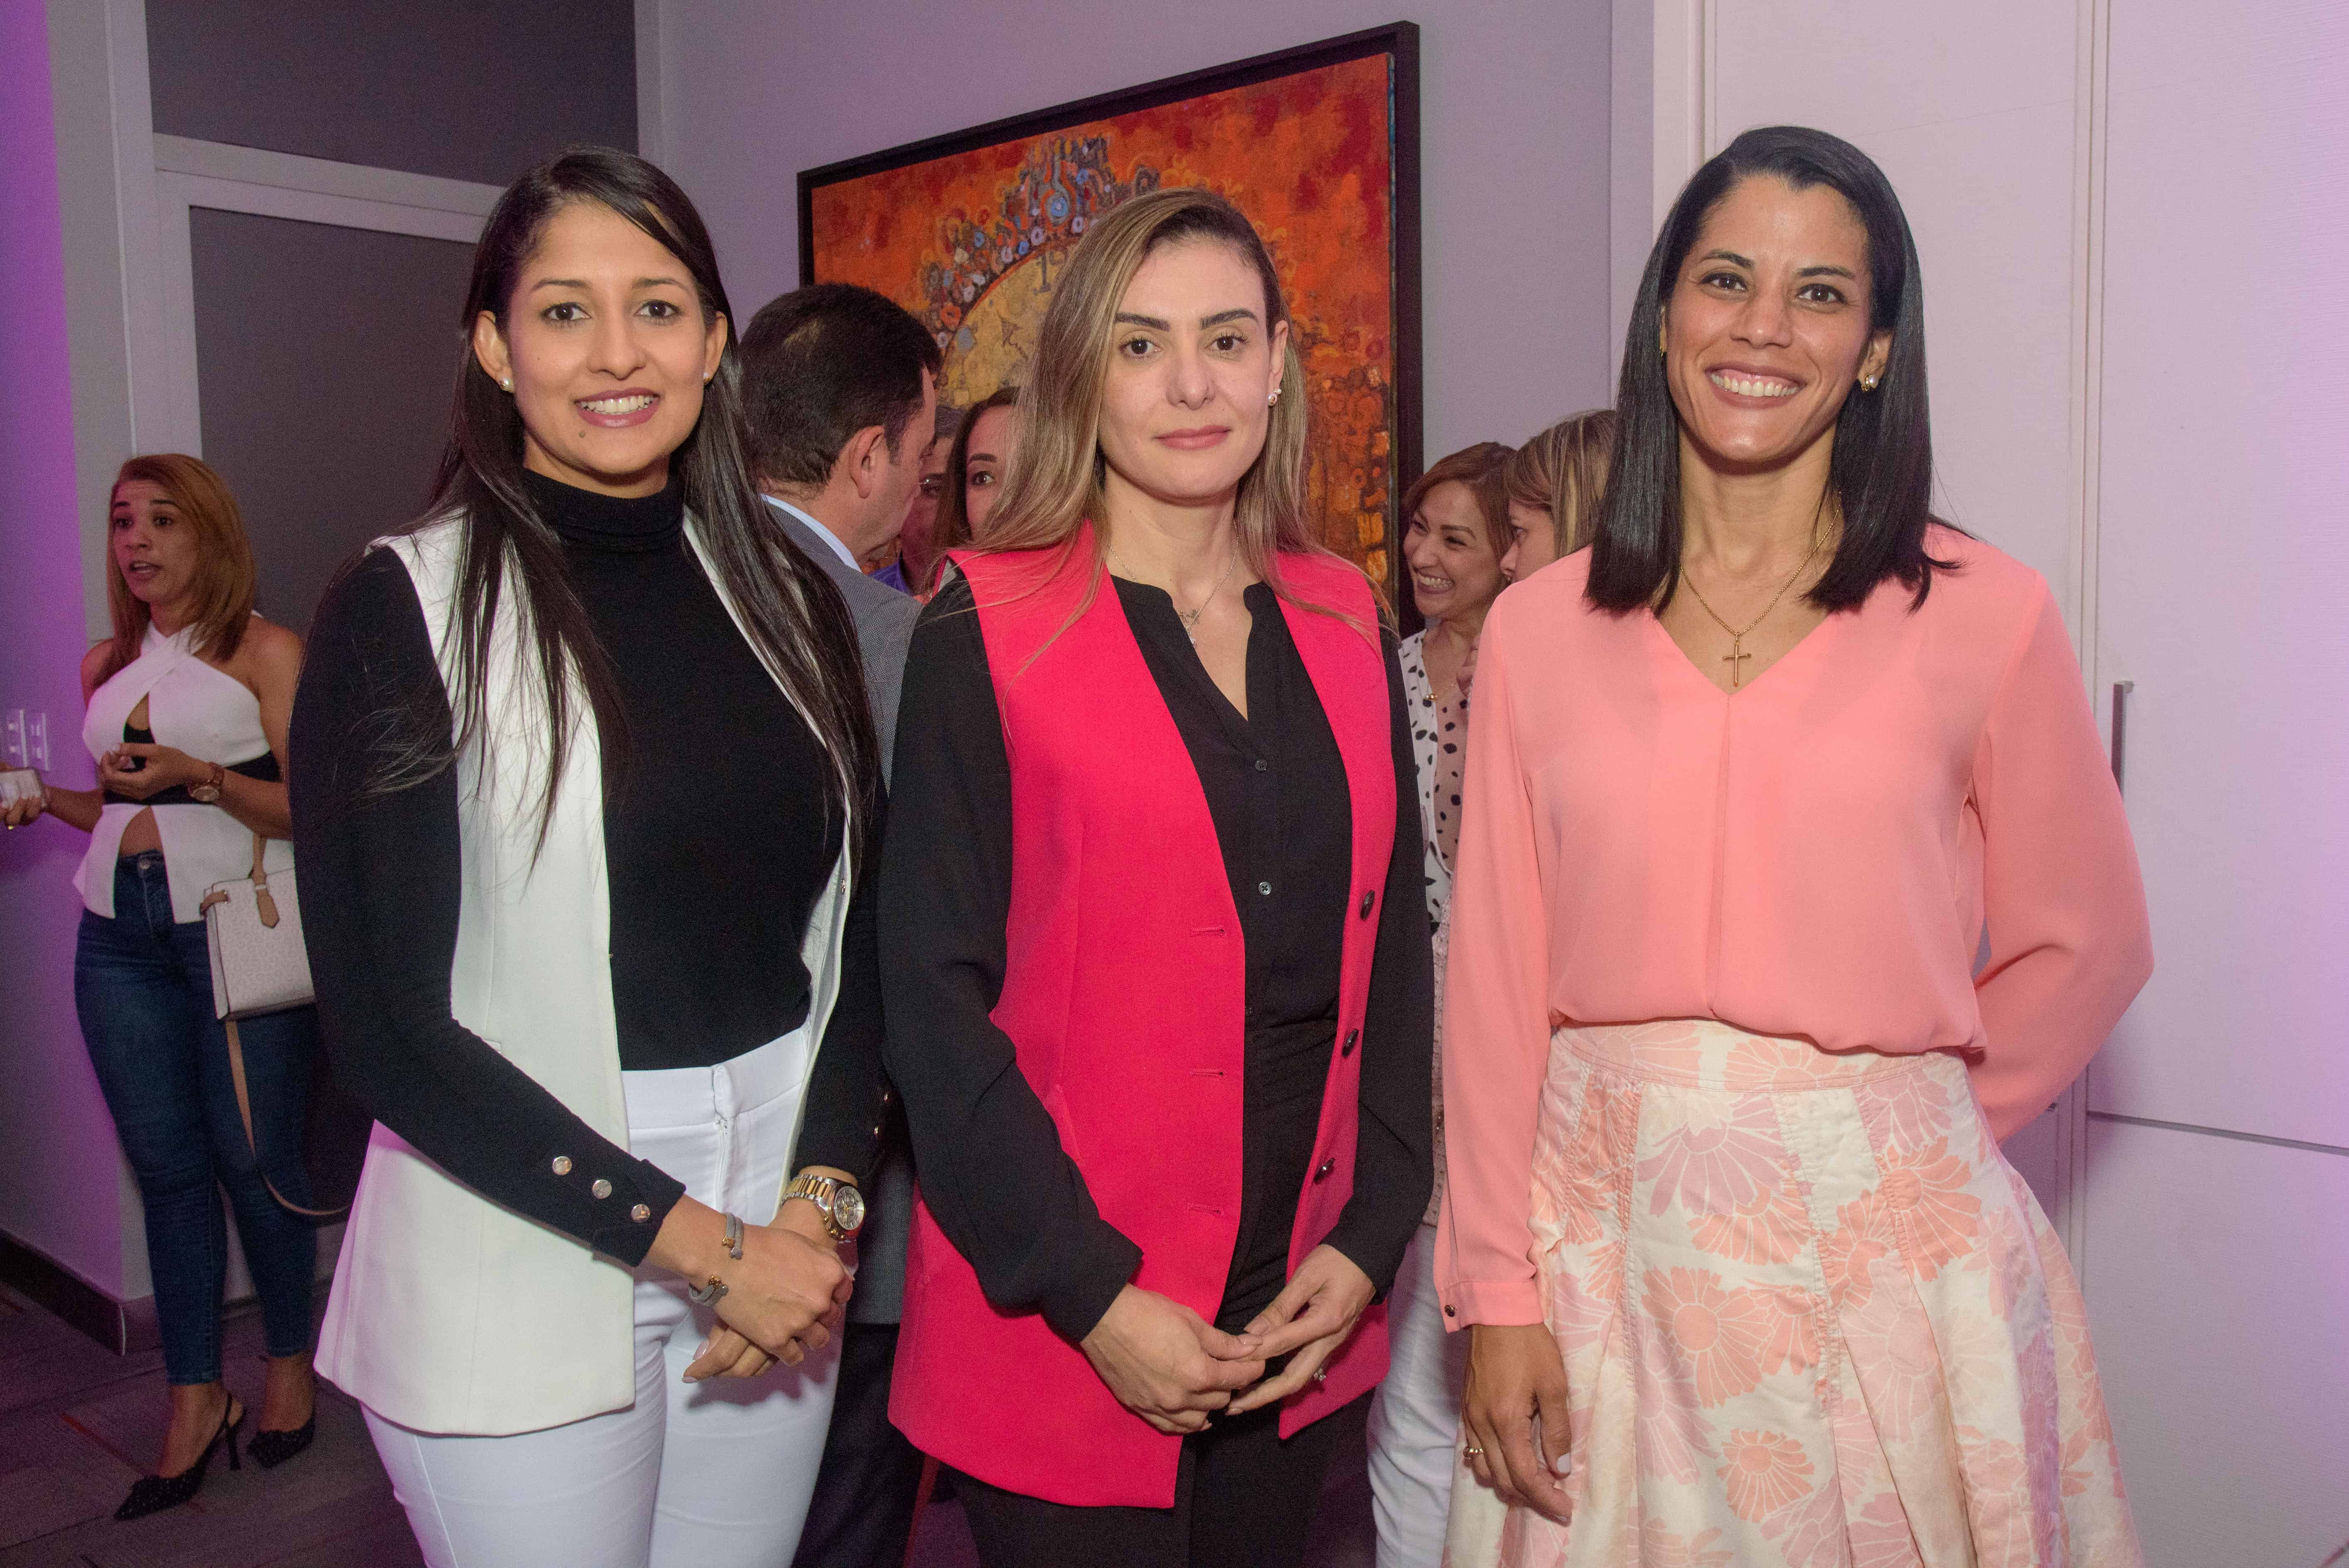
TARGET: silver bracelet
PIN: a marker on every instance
(734, 1237)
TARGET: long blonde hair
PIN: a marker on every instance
(1563, 472)
(1054, 487)
(223, 560)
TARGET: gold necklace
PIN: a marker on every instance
(1736, 655)
(1190, 617)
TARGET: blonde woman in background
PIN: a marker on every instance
(1554, 483)
(188, 706)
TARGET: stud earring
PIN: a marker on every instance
(1868, 383)
(507, 385)
(1274, 398)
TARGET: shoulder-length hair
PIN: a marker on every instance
(223, 584)
(795, 619)
(1055, 486)
(1563, 472)
(1880, 478)
(952, 530)
(1481, 468)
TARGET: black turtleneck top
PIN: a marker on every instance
(717, 840)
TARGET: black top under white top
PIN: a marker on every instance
(718, 841)
(1276, 788)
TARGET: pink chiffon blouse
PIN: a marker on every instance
(1816, 855)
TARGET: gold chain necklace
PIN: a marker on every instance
(1190, 617)
(1736, 656)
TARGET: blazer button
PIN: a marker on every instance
(562, 1165)
(600, 1188)
(1322, 1170)
(1369, 898)
(641, 1212)
(1347, 1048)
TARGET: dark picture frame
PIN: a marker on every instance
(1397, 43)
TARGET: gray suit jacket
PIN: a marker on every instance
(884, 627)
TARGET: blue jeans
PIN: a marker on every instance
(142, 985)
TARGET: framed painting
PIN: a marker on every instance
(1317, 145)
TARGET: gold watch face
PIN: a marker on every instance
(847, 1208)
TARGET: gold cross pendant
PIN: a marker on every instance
(1732, 658)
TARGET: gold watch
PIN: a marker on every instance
(840, 1202)
(208, 793)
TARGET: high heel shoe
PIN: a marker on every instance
(153, 1494)
(269, 1450)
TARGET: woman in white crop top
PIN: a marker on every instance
(188, 709)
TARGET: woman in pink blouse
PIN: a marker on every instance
(1749, 1282)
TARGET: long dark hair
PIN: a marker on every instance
(794, 618)
(952, 529)
(1881, 474)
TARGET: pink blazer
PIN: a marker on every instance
(1124, 996)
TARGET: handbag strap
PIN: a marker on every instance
(245, 1114)
(263, 905)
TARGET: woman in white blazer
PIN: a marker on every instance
(586, 785)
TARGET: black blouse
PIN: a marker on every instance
(718, 842)
(1276, 788)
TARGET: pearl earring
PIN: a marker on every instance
(1274, 398)
(507, 385)
(1868, 383)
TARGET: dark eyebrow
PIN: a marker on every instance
(1823, 271)
(1126, 319)
(581, 283)
(1242, 314)
(1727, 257)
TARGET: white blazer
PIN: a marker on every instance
(450, 1313)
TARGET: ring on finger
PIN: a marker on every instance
(1472, 1451)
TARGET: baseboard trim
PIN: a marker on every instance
(126, 1328)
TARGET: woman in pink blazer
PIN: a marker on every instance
(1747, 1278)
(1161, 1015)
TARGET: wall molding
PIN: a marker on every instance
(126, 1328)
(223, 165)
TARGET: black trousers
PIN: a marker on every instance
(1243, 1498)
(863, 1513)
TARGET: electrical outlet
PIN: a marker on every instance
(16, 740)
(36, 739)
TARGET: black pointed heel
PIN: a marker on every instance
(153, 1494)
(269, 1450)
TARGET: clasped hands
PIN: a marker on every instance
(1173, 1368)
(159, 768)
(784, 1298)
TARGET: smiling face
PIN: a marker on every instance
(1455, 573)
(155, 547)
(994, 437)
(1766, 329)
(1192, 367)
(605, 349)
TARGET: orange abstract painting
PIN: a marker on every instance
(972, 238)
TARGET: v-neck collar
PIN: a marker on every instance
(1680, 656)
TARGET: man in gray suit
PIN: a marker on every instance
(841, 388)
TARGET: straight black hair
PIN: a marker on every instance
(1881, 475)
(822, 362)
(795, 619)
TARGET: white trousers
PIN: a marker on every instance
(710, 1475)
(1415, 1416)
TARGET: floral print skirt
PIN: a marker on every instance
(1810, 1317)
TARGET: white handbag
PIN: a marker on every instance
(253, 928)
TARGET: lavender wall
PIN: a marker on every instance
(1514, 138)
(58, 1166)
